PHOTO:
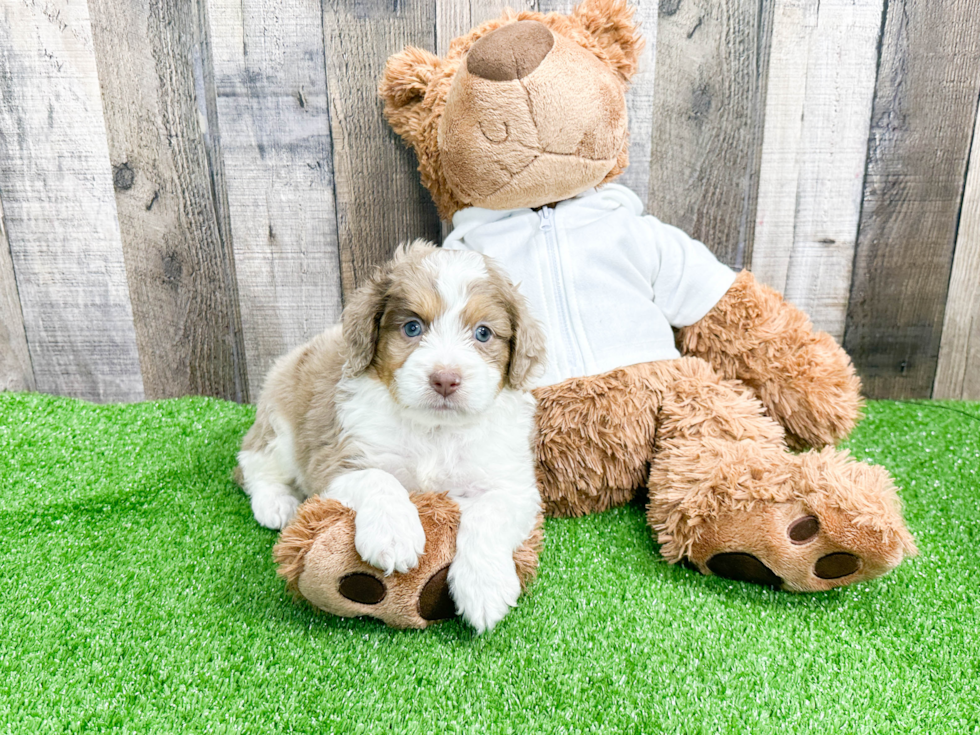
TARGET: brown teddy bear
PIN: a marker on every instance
(519, 131)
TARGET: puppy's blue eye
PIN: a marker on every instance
(412, 328)
(483, 334)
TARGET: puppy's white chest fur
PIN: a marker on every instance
(463, 458)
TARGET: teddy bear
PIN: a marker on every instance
(668, 374)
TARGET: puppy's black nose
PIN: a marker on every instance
(511, 52)
(445, 382)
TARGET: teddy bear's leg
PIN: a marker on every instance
(803, 377)
(726, 495)
(595, 438)
(317, 558)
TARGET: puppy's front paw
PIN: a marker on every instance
(274, 510)
(389, 537)
(484, 590)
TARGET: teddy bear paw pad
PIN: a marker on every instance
(435, 602)
(837, 565)
(803, 530)
(363, 588)
(743, 568)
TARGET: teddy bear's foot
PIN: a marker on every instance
(829, 522)
(316, 556)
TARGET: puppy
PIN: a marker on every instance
(422, 389)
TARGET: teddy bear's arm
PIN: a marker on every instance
(804, 378)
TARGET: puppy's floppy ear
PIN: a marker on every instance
(611, 24)
(362, 321)
(527, 343)
(403, 86)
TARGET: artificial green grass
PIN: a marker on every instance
(139, 595)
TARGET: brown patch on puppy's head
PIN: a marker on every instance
(412, 296)
(486, 309)
(396, 284)
(519, 349)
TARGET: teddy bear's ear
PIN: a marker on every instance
(403, 86)
(610, 23)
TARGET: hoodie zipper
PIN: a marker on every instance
(546, 215)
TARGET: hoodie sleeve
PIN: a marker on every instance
(689, 280)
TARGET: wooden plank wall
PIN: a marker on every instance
(188, 188)
(818, 110)
(707, 132)
(16, 372)
(180, 270)
(274, 125)
(59, 209)
(921, 126)
(958, 372)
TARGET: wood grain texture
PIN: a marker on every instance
(274, 125)
(179, 268)
(818, 112)
(16, 371)
(59, 208)
(457, 17)
(641, 106)
(794, 25)
(958, 370)
(923, 118)
(380, 200)
(708, 102)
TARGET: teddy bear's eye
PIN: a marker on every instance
(496, 131)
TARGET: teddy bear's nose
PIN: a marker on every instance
(511, 52)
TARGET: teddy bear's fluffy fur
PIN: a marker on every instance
(708, 436)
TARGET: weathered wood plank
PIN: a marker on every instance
(59, 207)
(818, 112)
(640, 98)
(794, 24)
(641, 106)
(275, 145)
(923, 117)
(16, 372)
(958, 371)
(380, 200)
(708, 100)
(457, 17)
(179, 269)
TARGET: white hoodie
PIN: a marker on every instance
(606, 282)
